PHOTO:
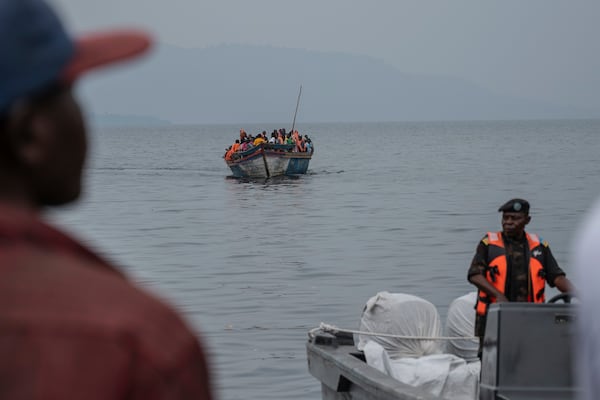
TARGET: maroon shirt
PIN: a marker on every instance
(73, 327)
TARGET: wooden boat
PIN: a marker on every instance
(526, 355)
(269, 160)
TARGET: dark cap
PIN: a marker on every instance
(38, 52)
(515, 205)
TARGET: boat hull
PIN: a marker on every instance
(344, 374)
(267, 162)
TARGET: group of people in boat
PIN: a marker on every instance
(301, 143)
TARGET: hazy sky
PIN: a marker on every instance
(541, 49)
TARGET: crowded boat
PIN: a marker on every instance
(296, 142)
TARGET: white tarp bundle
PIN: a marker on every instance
(405, 315)
(460, 322)
(416, 362)
(443, 375)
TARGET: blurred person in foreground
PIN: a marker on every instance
(586, 341)
(72, 326)
(513, 265)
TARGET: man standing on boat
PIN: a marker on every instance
(72, 326)
(513, 265)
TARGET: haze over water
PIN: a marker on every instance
(385, 206)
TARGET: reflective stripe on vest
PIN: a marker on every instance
(496, 272)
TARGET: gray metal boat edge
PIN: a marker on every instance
(345, 375)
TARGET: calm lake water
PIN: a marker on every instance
(386, 206)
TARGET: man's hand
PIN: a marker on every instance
(501, 299)
(482, 284)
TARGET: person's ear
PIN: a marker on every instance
(528, 219)
(27, 131)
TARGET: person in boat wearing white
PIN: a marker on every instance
(273, 138)
(513, 265)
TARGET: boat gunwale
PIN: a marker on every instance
(269, 150)
(344, 375)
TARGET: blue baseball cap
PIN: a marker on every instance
(36, 51)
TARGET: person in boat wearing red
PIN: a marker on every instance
(72, 326)
(513, 265)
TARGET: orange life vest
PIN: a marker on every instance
(497, 270)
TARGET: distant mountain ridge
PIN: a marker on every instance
(255, 84)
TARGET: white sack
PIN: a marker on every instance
(442, 375)
(460, 322)
(405, 315)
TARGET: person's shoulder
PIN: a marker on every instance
(544, 243)
(158, 331)
(82, 295)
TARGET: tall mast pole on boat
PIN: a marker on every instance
(296, 112)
